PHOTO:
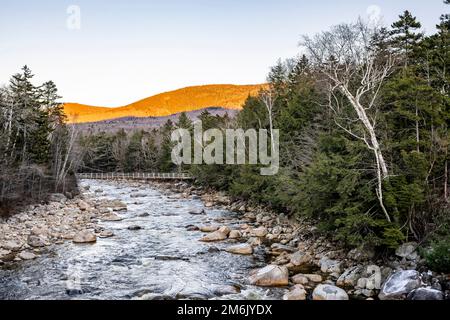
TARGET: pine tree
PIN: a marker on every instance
(405, 36)
(184, 122)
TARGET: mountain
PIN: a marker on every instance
(169, 103)
(147, 123)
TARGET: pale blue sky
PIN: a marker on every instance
(128, 50)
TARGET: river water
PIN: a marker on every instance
(163, 260)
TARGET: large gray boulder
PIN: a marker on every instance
(399, 284)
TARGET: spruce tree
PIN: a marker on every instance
(405, 36)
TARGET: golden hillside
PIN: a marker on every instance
(168, 103)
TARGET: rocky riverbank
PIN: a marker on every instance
(26, 235)
(311, 266)
(300, 261)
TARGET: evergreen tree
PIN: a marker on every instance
(405, 36)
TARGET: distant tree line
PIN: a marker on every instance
(36, 147)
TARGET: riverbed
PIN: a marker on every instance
(152, 255)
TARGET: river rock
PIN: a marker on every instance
(254, 241)
(297, 292)
(407, 251)
(82, 205)
(300, 259)
(36, 241)
(300, 279)
(278, 248)
(208, 228)
(6, 255)
(196, 211)
(361, 253)
(134, 228)
(111, 216)
(270, 276)
(106, 234)
(329, 266)
(85, 236)
(138, 195)
(57, 197)
(214, 236)
(399, 285)
(425, 294)
(115, 205)
(26, 255)
(329, 292)
(225, 230)
(260, 232)
(244, 249)
(350, 277)
(12, 245)
(235, 234)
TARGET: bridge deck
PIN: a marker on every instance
(135, 176)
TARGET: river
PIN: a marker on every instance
(162, 260)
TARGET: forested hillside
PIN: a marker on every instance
(363, 118)
(363, 115)
(36, 147)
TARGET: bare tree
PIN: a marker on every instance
(352, 68)
(268, 98)
(67, 155)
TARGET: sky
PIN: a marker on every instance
(115, 52)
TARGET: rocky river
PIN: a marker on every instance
(132, 240)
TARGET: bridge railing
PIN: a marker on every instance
(135, 176)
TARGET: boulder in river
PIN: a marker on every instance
(208, 228)
(106, 234)
(400, 284)
(244, 249)
(196, 211)
(134, 228)
(329, 292)
(214, 236)
(84, 236)
(271, 276)
(115, 205)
